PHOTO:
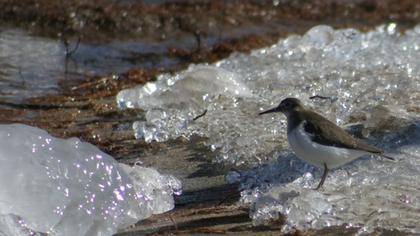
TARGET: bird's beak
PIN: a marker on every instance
(276, 109)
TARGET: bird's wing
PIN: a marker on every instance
(325, 132)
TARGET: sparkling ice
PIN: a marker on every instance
(69, 187)
(371, 83)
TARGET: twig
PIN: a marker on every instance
(320, 97)
(69, 52)
(197, 36)
(201, 115)
(22, 77)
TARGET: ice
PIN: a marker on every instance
(368, 193)
(69, 187)
(358, 72)
(368, 82)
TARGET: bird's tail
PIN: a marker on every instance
(387, 157)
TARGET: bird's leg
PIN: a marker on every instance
(324, 176)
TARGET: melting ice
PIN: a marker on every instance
(69, 187)
(370, 79)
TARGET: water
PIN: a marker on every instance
(69, 187)
(32, 66)
(371, 83)
(29, 65)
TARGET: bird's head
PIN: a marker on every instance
(288, 106)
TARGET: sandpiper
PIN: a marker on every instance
(318, 141)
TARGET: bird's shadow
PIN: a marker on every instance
(409, 135)
(285, 169)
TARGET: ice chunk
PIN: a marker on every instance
(366, 193)
(189, 89)
(69, 187)
(356, 71)
(317, 37)
(367, 78)
(183, 104)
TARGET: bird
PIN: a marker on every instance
(319, 141)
